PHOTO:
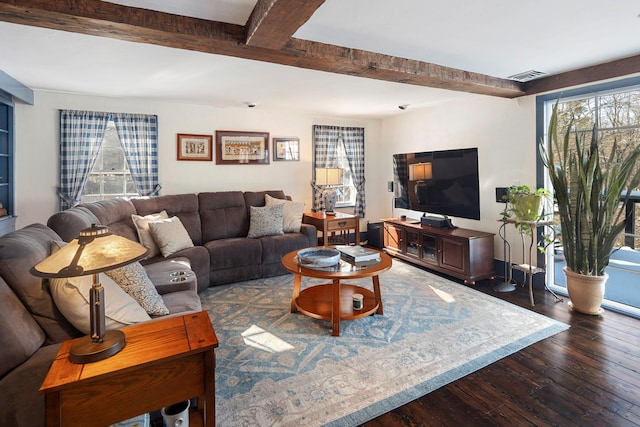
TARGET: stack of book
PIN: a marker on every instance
(358, 254)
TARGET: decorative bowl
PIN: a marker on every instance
(318, 257)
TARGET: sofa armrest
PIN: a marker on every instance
(311, 233)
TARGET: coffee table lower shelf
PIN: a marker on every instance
(317, 302)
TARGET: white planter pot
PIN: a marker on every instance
(586, 292)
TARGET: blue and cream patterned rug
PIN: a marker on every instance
(278, 368)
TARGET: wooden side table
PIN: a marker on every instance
(338, 223)
(163, 362)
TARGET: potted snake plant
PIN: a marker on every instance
(591, 192)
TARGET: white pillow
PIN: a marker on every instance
(170, 235)
(144, 235)
(292, 214)
(265, 221)
(71, 296)
(133, 279)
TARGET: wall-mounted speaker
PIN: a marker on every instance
(390, 186)
(500, 193)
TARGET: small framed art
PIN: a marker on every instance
(286, 148)
(195, 147)
(238, 147)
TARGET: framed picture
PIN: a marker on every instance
(286, 148)
(236, 147)
(195, 147)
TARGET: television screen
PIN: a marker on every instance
(440, 182)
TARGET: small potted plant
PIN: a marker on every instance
(525, 204)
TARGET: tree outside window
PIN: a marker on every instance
(110, 176)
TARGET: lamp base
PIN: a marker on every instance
(84, 350)
(330, 198)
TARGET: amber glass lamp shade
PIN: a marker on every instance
(96, 250)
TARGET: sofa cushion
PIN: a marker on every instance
(67, 224)
(22, 404)
(181, 302)
(292, 214)
(144, 234)
(19, 252)
(224, 215)
(229, 253)
(170, 235)
(265, 221)
(20, 335)
(257, 198)
(72, 296)
(184, 206)
(115, 214)
(133, 279)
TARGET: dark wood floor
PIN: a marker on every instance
(586, 376)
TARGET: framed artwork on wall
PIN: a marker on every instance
(238, 147)
(286, 148)
(195, 147)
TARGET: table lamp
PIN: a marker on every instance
(96, 250)
(328, 177)
(420, 172)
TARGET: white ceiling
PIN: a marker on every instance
(494, 37)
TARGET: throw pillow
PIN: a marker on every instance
(170, 235)
(133, 279)
(144, 234)
(292, 214)
(72, 298)
(265, 221)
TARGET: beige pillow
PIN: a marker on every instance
(133, 279)
(292, 214)
(71, 296)
(170, 235)
(144, 235)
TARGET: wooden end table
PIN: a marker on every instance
(337, 223)
(334, 301)
(163, 362)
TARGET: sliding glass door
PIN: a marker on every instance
(614, 110)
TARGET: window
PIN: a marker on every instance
(110, 176)
(341, 147)
(614, 109)
(346, 191)
(616, 116)
(131, 136)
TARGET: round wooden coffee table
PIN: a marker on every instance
(334, 301)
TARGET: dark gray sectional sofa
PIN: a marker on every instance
(217, 222)
(31, 326)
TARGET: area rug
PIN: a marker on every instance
(278, 368)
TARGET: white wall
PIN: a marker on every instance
(37, 142)
(502, 129)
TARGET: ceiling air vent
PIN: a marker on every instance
(526, 76)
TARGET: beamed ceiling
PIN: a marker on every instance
(269, 36)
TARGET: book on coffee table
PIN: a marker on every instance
(357, 254)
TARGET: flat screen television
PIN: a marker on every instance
(440, 182)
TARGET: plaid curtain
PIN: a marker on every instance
(81, 134)
(138, 135)
(325, 142)
(353, 140)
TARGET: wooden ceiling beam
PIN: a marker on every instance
(273, 22)
(607, 70)
(99, 18)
